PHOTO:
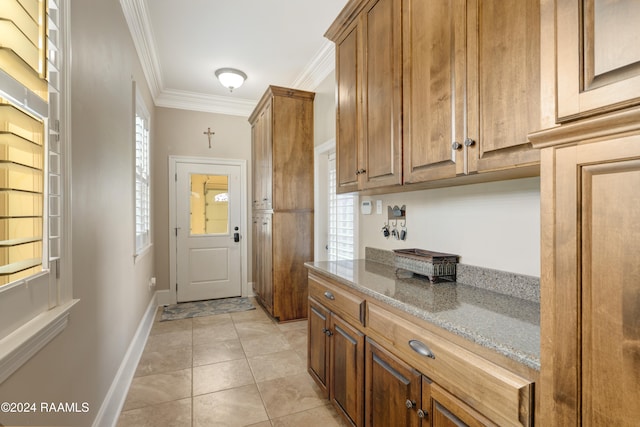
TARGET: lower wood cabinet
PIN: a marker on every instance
(392, 391)
(335, 360)
(359, 356)
(398, 395)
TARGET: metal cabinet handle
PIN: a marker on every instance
(455, 145)
(329, 295)
(421, 348)
(327, 332)
(469, 142)
(422, 413)
(410, 404)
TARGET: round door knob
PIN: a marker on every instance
(469, 142)
(422, 413)
(456, 145)
(410, 404)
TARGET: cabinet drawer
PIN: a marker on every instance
(497, 393)
(337, 300)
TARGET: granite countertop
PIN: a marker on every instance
(503, 323)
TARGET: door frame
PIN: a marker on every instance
(173, 241)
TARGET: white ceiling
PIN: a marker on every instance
(275, 42)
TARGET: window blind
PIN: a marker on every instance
(341, 237)
(23, 50)
(143, 184)
(23, 74)
(21, 192)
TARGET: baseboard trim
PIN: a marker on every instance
(114, 401)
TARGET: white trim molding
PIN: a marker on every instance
(24, 342)
(206, 103)
(114, 401)
(320, 66)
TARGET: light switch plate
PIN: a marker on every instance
(379, 207)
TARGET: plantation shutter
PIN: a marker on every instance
(23, 43)
(23, 58)
(341, 240)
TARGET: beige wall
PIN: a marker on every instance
(80, 364)
(180, 133)
(324, 110)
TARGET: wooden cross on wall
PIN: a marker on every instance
(209, 135)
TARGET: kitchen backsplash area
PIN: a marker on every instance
(494, 226)
(517, 285)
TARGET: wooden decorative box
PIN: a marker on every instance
(437, 266)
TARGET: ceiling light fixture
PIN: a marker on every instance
(231, 78)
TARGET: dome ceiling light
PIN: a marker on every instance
(231, 78)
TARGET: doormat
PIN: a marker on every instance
(186, 310)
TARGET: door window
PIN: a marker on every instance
(209, 204)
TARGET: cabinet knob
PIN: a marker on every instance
(455, 145)
(361, 171)
(421, 348)
(410, 404)
(329, 295)
(327, 332)
(468, 142)
(422, 413)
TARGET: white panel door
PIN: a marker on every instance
(208, 203)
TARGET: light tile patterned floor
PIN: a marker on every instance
(237, 369)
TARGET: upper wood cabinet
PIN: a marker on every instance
(369, 113)
(282, 143)
(598, 60)
(471, 86)
(434, 90)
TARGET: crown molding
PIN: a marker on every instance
(136, 15)
(206, 103)
(320, 66)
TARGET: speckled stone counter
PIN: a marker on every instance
(506, 324)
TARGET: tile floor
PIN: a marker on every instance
(237, 369)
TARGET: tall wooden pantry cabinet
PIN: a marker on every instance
(590, 204)
(282, 145)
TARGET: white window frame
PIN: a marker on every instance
(321, 201)
(33, 311)
(142, 187)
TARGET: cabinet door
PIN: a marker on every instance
(591, 285)
(292, 243)
(266, 176)
(255, 255)
(382, 94)
(347, 370)
(598, 60)
(433, 88)
(392, 389)
(504, 84)
(266, 262)
(292, 148)
(348, 62)
(318, 344)
(256, 164)
(442, 409)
